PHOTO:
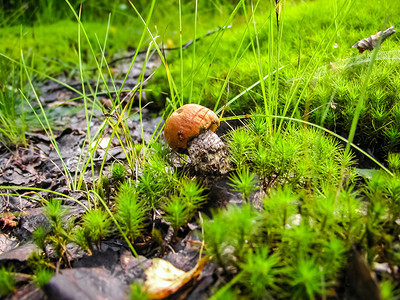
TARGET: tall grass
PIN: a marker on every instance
(75, 181)
(12, 116)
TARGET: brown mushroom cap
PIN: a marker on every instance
(187, 122)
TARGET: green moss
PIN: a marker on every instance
(7, 282)
(53, 49)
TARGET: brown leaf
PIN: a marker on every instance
(107, 103)
(8, 219)
(163, 279)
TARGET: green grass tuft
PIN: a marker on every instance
(7, 282)
(131, 212)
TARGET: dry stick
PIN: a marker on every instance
(172, 48)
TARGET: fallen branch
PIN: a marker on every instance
(171, 48)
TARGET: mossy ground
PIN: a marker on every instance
(316, 216)
(317, 55)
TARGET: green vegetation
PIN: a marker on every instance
(321, 76)
(308, 250)
(96, 225)
(43, 277)
(296, 156)
(118, 172)
(131, 212)
(244, 182)
(181, 208)
(309, 105)
(7, 282)
(58, 234)
(12, 111)
(137, 293)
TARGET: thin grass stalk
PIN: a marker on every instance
(139, 45)
(317, 63)
(173, 89)
(78, 184)
(235, 62)
(28, 188)
(335, 12)
(257, 56)
(270, 67)
(360, 102)
(141, 78)
(117, 224)
(42, 74)
(194, 52)
(180, 46)
(47, 127)
(82, 28)
(216, 40)
(280, 25)
(21, 80)
(247, 90)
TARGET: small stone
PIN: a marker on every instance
(86, 283)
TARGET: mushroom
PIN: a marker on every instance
(191, 129)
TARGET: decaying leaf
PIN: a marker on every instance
(371, 42)
(8, 220)
(163, 279)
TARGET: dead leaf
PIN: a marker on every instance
(163, 279)
(8, 219)
(278, 10)
(107, 103)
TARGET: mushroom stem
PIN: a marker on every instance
(209, 154)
